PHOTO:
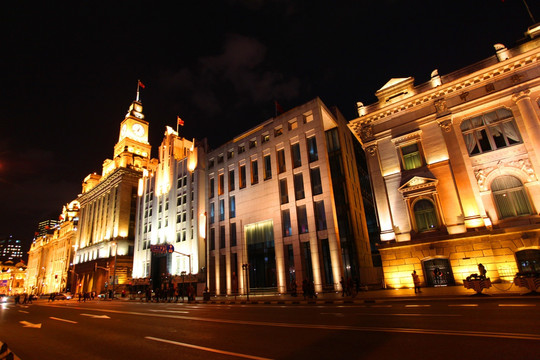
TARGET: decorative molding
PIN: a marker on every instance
(525, 94)
(372, 150)
(441, 106)
(521, 165)
(366, 132)
(446, 125)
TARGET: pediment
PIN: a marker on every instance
(418, 183)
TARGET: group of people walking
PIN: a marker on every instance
(171, 293)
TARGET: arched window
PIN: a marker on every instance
(490, 131)
(425, 215)
(510, 197)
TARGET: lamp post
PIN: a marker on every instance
(115, 246)
(245, 267)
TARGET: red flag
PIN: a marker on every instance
(279, 109)
(141, 84)
(180, 121)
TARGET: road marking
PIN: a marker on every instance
(472, 305)
(336, 314)
(68, 321)
(381, 306)
(25, 312)
(522, 336)
(171, 311)
(416, 306)
(206, 348)
(96, 316)
(30, 325)
(517, 305)
(443, 315)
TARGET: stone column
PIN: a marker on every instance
(381, 196)
(531, 121)
(469, 204)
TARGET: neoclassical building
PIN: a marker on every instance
(284, 205)
(171, 210)
(50, 259)
(108, 203)
(454, 164)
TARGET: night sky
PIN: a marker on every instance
(69, 73)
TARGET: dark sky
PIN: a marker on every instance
(69, 73)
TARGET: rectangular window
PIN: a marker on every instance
(320, 216)
(241, 148)
(332, 140)
(281, 161)
(232, 207)
(293, 124)
(301, 216)
(221, 184)
(211, 188)
(295, 153)
(316, 185)
(231, 180)
(283, 192)
(411, 156)
(299, 186)
(221, 210)
(252, 143)
(278, 131)
(212, 213)
(286, 222)
(230, 154)
(232, 234)
(254, 172)
(178, 218)
(267, 167)
(313, 154)
(212, 239)
(222, 237)
(242, 179)
(210, 163)
(220, 159)
(265, 138)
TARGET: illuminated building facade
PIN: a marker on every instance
(171, 210)
(51, 255)
(284, 198)
(104, 248)
(12, 276)
(46, 227)
(11, 249)
(454, 165)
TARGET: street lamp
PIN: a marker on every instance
(115, 246)
(245, 267)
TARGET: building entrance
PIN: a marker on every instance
(261, 254)
(438, 272)
(159, 269)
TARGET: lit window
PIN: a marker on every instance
(411, 156)
(293, 124)
(510, 197)
(425, 215)
(490, 131)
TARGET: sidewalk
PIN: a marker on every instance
(505, 290)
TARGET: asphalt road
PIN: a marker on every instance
(474, 328)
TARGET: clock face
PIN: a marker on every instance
(138, 130)
(123, 131)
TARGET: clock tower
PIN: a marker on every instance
(133, 133)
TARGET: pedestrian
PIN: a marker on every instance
(343, 287)
(416, 281)
(17, 299)
(482, 270)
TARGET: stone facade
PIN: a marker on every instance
(454, 166)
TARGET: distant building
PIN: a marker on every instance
(12, 276)
(11, 249)
(171, 210)
(285, 204)
(50, 267)
(105, 239)
(454, 165)
(46, 227)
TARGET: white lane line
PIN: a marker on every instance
(471, 305)
(440, 315)
(171, 311)
(64, 320)
(25, 312)
(416, 306)
(206, 348)
(516, 305)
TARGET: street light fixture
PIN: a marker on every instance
(245, 267)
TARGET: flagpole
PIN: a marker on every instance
(138, 82)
